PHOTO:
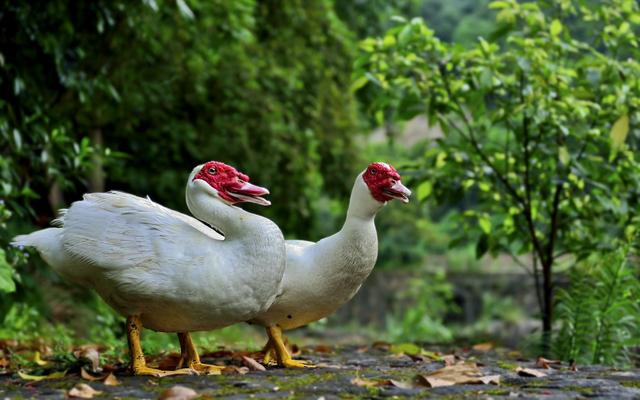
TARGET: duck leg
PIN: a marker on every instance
(282, 354)
(269, 353)
(138, 363)
(189, 357)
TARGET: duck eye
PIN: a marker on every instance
(373, 171)
(212, 171)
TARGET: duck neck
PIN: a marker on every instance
(231, 221)
(362, 207)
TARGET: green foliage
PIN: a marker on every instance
(531, 141)
(420, 317)
(599, 311)
(130, 96)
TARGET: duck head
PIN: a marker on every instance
(225, 182)
(384, 183)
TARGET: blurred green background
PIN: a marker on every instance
(484, 107)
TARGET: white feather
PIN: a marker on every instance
(175, 272)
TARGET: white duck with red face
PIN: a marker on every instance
(320, 277)
(168, 271)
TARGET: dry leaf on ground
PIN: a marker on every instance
(323, 348)
(386, 382)
(449, 359)
(36, 378)
(83, 391)
(252, 364)
(178, 393)
(295, 350)
(169, 361)
(542, 362)
(381, 345)
(530, 372)
(460, 373)
(111, 380)
(4, 362)
(365, 382)
(486, 346)
(87, 376)
(91, 354)
(232, 370)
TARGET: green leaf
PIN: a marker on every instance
(424, 190)
(556, 27)
(7, 284)
(485, 223)
(619, 132)
(359, 83)
(405, 35)
(563, 155)
(499, 4)
(54, 375)
(406, 348)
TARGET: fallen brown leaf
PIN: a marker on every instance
(381, 345)
(252, 364)
(233, 370)
(384, 382)
(8, 344)
(460, 373)
(530, 372)
(365, 382)
(178, 392)
(542, 362)
(218, 354)
(83, 391)
(401, 384)
(91, 354)
(169, 361)
(448, 359)
(111, 380)
(362, 349)
(323, 348)
(84, 374)
(486, 346)
(4, 362)
(295, 350)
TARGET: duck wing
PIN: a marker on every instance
(118, 230)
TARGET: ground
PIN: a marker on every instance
(355, 372)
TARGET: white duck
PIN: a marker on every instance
(320, 277)
(168, 271)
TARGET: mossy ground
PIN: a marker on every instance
(338, 368)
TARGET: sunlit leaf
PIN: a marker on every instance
(424, 190)
(556, 27)
(619, 132)
(563, 155)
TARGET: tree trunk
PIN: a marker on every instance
(547, 314)
(96, 174)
